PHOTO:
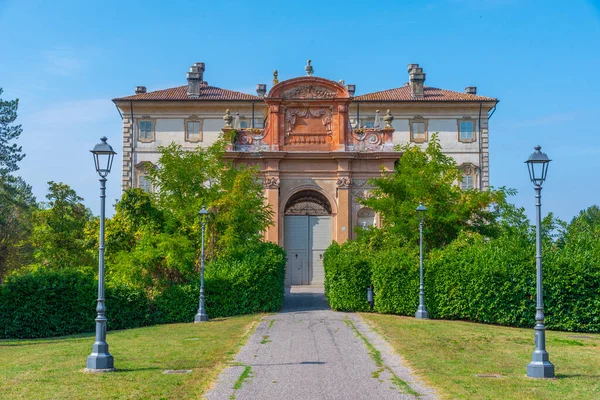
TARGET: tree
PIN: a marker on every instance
(59, 226)
(17, 204)
(16, 199)
(188, 180)
(431, 177)
(10, 154)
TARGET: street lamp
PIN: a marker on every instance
(201, 315)
(101, 360)
(421, 311)
(540, 366)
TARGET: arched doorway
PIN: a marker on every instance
(307, 233)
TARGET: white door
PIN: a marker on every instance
(306, 238)
(319, 240)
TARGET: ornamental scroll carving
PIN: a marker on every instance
(271, 182)
(291, 114)
(370, 139)
(468, 169)
(344, 182)
(308, 92)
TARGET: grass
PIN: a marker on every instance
(450, 355)
(53, 368)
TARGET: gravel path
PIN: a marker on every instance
(309, 352)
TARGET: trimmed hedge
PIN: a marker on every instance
(347, 276)
(246, 283)
(474, 279)
(46, 303)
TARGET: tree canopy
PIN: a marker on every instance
(431, 177)
(16, 199)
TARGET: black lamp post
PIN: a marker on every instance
(540, 366)
(421, 311)
(201, 314)
(101, 360)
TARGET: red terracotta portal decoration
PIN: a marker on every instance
(307, 114)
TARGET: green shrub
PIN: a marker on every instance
(244, 283)
(395, 276)
(47, 303)
(347, 276)
(44, 303)
(489, 281)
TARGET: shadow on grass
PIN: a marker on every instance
(38, 341)
(125, 370)
(585, 376)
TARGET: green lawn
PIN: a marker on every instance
(450, 354)
(53, 368)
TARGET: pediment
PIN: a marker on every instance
(308, 88)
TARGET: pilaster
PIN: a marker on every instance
(127, 178)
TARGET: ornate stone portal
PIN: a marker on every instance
(310, 155)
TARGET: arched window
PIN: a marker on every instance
(308, 202)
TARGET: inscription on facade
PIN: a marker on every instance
(308, 92)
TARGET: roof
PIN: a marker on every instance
(430, 94)
(180, 93)
(399, 94)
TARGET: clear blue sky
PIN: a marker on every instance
(65, 60)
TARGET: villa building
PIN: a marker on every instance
(316, 143)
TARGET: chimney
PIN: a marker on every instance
(416, 78)
(194, 78)
(471, 90)
(261, 89)
(140, 89)
(351, 89)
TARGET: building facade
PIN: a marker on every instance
(316, 143)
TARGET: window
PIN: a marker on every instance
(193, 129)
(418, 130)
(243, 124)
(368, 123)
(146, 131)
(468, 182)
(259, 123)
(466, 130)
(144, 183)
(469, 175)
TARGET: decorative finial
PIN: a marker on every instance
(275, 77)
(309, 69)
(104, 139)
(388, 119)
(227, 118)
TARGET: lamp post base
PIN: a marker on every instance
(540, 366)
(100, 363)
(200, 317)
(540, 369)
(422, 313)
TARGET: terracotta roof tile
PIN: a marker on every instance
(180, 93)
(430, 94)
